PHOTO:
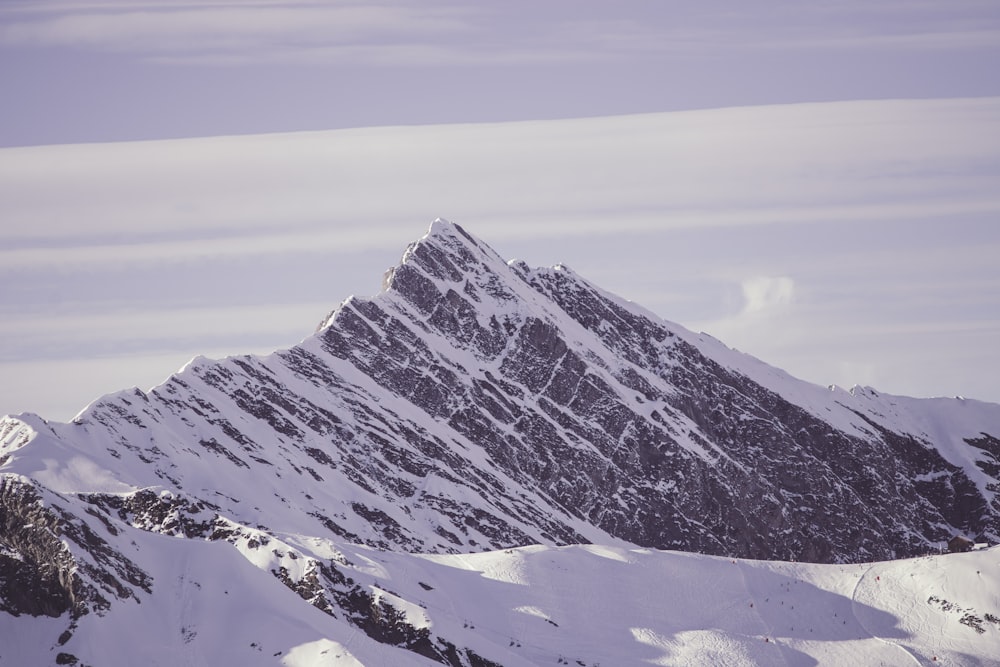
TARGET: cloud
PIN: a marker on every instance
(727, 28)
(765, 318)
(232, 27)
(862, 27)
(396, 33)
(166, 327)
(796, 164)
(299, 33)
(958, 40)
(828, 239)
(766, 294)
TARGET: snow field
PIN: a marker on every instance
(219, 603)
(614, 606)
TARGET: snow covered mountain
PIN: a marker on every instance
(259, 503)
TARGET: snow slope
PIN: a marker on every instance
(547, 409)
(576, 605)
(487, 464)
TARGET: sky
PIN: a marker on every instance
(813, 183)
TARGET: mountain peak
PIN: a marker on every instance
(474, 404)
(446, 258)
(451, 237)
(440, 226)
(449, 233)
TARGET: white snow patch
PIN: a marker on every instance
(320, 653)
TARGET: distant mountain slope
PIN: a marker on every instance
(476, 404)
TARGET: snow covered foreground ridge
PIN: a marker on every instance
(478, 405)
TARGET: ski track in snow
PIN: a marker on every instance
(855, 605)
(769, 634)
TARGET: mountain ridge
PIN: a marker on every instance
(421, 339)
(477, 404)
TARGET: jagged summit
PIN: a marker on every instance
(444, 227)
(448, 253)
(479, 404)
(588, 416)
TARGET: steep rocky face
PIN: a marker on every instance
(614, 417)
(52, 562)
(478, 404)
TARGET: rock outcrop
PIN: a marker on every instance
(478, 404)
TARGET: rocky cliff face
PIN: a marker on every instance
(478, 404)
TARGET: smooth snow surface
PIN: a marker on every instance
(580, 605)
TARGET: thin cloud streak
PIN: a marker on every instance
(222, 28)
(806, 163)
(957, 40)
(107, 71)
(112, 328)
(342, 238)
(441, 34)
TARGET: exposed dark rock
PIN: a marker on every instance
(39, 574)
(479, 405)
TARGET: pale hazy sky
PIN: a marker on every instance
(86, 70)
(850, 239)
